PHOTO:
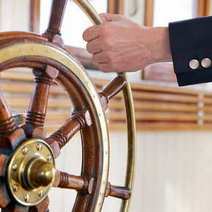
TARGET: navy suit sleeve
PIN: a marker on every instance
(191, 47)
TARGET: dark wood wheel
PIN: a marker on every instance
(27, 159)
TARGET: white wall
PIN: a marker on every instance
(14, 15)
(173, 169)
(173, 172)
(135, 9)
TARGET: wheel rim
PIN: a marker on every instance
(37, 52)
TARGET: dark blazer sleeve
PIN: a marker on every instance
(191, 47)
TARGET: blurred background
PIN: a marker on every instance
(174, 125)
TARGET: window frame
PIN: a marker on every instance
(202, 10)
(203, 7)
(114, 7)
(34, 15)
(149, 13)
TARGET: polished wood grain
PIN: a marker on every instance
(42, 207)
(84, 118)
(48, 72)
(56, 18)
(149, 13)
(35, 15)
(157, 107)
(203, 7)
(3, 163)
(118, 192)
(65, 180)
(38, 107)
(62, 136)
(4, 197)
(116, 6)
(111, 90)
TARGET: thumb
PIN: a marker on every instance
(106, 17)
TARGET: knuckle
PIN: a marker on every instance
(86, 35)
(88, 47)
(104, 30)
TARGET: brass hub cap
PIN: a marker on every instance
(31, 172)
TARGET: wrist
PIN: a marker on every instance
(163, 52)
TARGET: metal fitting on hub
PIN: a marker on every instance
(31, 172)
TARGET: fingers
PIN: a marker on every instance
(95, 31)
(103, 62)
(98, 44)
(104, 67)
(100, 58)
(106, 17)
(91, 33)
(94, 46)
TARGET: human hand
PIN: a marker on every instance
(121, 45)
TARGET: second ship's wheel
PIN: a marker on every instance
(27, 157)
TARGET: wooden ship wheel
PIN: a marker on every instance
(27, 157)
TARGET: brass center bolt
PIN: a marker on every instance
(31, 172)
(39, 173)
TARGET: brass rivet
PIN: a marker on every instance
(14, 167)
(40, 194)
(25, 150)
(39, 147)
(15, 188)
(49, 158)
(26, 198)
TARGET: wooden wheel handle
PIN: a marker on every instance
(128, 98)
(24, 146)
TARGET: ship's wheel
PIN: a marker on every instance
(27, 157)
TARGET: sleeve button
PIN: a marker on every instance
(206, 63)
(194, 64)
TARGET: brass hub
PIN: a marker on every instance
(31, 172)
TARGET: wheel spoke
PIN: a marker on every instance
(4, 197)
(42, 207)
(73, 125)
(118, 192)
(15, 208)
(3, 161)
(10, 134)
(56, 18)
(112, 89)
(7, 123)
(67, 181)
(37, 110)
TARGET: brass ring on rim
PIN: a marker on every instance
(128, 99)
